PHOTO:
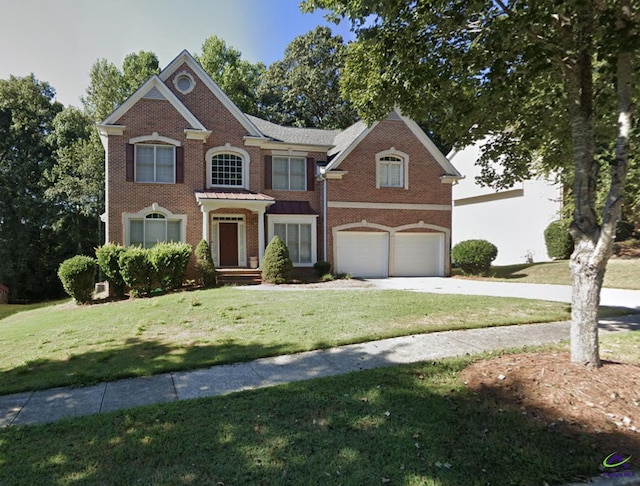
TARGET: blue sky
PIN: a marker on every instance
(59, 40)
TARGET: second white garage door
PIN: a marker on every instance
(363, 254)
(418, 255)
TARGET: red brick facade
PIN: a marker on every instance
(425, 206)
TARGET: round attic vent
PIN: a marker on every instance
(184, 82)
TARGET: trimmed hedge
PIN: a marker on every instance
(474, 257)
(136, 270)
(77, 275)
(108, 257)
(169, 262)
(276, 264)
(205, 268)
(558, 240)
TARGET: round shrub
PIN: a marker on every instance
(474, 257)
(108, 257)
(205, 268)
(77, 275)
(276, 263)
(322, 268)
(558, 240)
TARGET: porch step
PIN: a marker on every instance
(239, 276)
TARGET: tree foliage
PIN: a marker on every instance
(551, 82)
(29, 249)
(303, 88)
(109, 86)
(238, 78)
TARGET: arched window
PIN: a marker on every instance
(154, 225)
(392, 169)
(226, 170)
(227, 167)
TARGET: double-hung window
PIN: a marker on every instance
(298, 238)
(152, 229)
(155, 163)
(289, 173)
(390, 171)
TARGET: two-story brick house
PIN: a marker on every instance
(183, 163)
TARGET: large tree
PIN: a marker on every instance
(550, 82)
(28, 242)
(303, 88)
(237, 77)
(76, 180)
(109, 86)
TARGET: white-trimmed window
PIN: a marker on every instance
(392, 169)
(154, 225)
(289, 173)
(299, 234)
(227, 166)
(155, 163)
(227, 170)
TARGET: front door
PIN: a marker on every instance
(228, 233)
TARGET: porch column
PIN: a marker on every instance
(261, 237)
(205, 224)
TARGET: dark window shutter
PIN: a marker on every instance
(311, 174)
(179, 165)
(267, 171)
(130, 160)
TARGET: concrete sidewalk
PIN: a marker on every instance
(51, 405)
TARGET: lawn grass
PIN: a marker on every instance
(81, 345)
(409, 425)
(9, 309)
(621, 274)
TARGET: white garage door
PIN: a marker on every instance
(363, 254)
(418, 255)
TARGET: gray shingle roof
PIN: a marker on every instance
(311, 136)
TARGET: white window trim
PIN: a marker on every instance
(228, 149)
(154, 208)
(135, 163)
(241, 221)
(289, 156)
(297, 219)
(392, 152)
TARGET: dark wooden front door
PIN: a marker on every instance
(228, 244)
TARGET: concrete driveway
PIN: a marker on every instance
(557, 293)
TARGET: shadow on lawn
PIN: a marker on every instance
(135, 357)
(413, 424)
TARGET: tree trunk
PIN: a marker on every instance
(593, 240)
(587, 277)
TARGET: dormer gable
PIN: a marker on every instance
(349, 139)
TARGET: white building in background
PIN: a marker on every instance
(512, 219)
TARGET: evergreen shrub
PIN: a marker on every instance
(108, 257)
(77, 275)
(276, 264)
(558, 240)
(169, 262)
(136, 270)
(205, 268)
(474, 257)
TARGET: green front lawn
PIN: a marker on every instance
(621, 274)
(405, 425)
(79, 345)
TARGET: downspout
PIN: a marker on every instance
(323, 176)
